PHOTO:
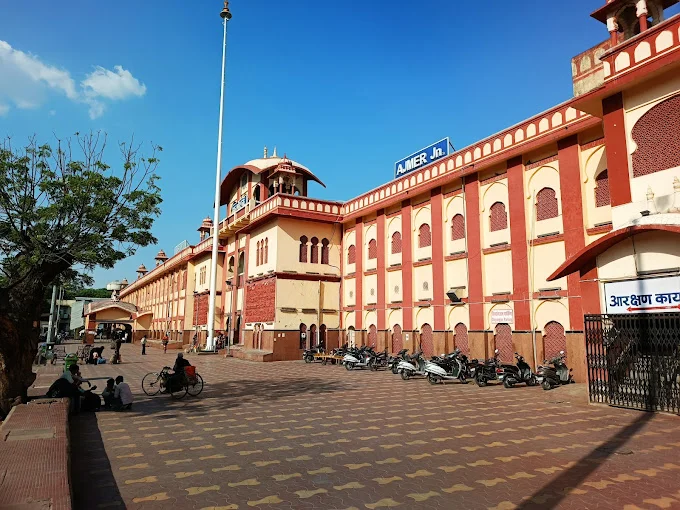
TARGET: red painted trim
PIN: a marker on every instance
(350, 276)
(602, 229)
(518, 239)
(381, 269)
(497, 249)
(557, 293)
(423, 304)
(397, 267)
(359, 265)
(370, 272)
(572, 219)
(590, 292)
(438, 275)
(541, 162)
(501, 298)
(304, 277)
(223, 323)
(615, 145)
(456, 256)
(547, 240)
(421, 263)
(593, 143)
(407, 262)
(474, 243)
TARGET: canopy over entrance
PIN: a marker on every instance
(115, 312)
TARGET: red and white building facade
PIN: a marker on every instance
(505, 244)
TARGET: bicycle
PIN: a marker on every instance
(191, 382)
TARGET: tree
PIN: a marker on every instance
(63, 211)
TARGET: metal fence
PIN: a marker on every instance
(634, 360)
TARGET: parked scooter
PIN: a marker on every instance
(358, 358)
(308, 355)
(556, 374)
(520, 373)
(379, 361)
(414, 366)
(393, 361)
(447, 367)
(488, 371)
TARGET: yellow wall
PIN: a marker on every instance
(288, 246)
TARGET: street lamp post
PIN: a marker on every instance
(210, 343)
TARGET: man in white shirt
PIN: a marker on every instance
(122, 395)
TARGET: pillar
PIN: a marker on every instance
(518, 241)
(616, 147)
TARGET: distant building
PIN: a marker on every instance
(77, 318)
(64, 308)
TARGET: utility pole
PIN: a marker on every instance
(50, 325)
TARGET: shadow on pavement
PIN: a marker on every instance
(559, 488)
(92, 478)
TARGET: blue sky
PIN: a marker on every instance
(344, 87)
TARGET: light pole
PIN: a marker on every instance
(210, 342)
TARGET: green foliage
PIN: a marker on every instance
(64, 211)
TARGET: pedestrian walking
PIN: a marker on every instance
(165, 343)
(144, 345)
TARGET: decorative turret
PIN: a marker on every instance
(161, 257)
(627, 18)
(141, 271)
(205, 228)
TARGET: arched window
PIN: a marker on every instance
(351, 255)
(315, 250)
(498, 218)
(397, 339)
(396, 242)
(372, 335)
(272, 190)
(503, 340)
(303, 336)
(257, 254)
(458, 227)
(554, 340)
(426, 340)
(230, 267)
(241, 263)
(372, 249)
(266, 250)
(324, 251)
(460, 338)
(602, 197)
(322, 334)
(303, 249)
(546, 204)
(424, 236)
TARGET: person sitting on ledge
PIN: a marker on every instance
(122, 395)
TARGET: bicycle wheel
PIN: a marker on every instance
(151, 384)
(177, 391)
(195, 387)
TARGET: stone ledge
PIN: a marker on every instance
(41, 480)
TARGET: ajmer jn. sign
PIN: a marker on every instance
(422, 158)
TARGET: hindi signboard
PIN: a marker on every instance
(651, 295)
(502, 316)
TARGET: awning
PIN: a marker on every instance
(588, 254)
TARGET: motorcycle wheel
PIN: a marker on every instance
(481, 381)
(349, 365)
(309, 359)
(507, 383)
(432, 379)
(532, 381)
(546, 385)
(405, 375)
(395, 369)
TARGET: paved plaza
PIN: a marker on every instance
(291, 435)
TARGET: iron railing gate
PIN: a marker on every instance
(634, 360)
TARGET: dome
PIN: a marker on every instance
(141, 269)
(161, 255)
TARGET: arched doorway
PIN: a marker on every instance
(313, 337)
(397, 339)
(303, 336)
(351, 337)
(427, 340)
(322, 336)
(460, 338)
(503, 342)
(372, 336)
(554, 340)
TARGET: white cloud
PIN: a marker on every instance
(27, 80)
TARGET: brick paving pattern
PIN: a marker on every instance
(291, 435)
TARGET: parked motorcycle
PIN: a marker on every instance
(308, 354)
(447, 367)
(358, 358)
(555, 375)
(393, 361)
(488, 371)
(379, 361)
(519, 373)
(414, 366)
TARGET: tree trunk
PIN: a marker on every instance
(18, 344)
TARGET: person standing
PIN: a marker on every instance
(144, 345)
(119, 342)
(165, 343)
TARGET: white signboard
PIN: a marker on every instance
(503, 316)
(652, 295)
